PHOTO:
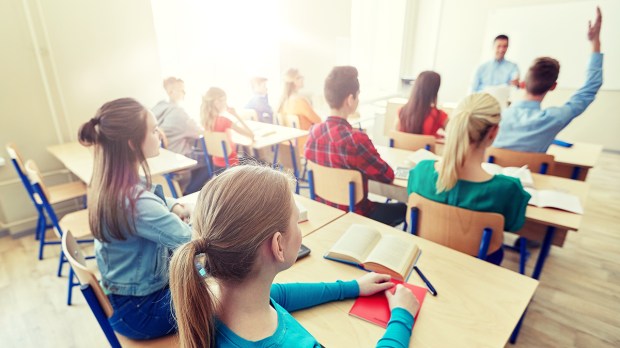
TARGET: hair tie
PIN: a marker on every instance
(95, 121)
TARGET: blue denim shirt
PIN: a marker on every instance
(494, 73)
(526, 127)
(138, 266)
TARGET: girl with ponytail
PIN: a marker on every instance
(291, 103)
(135, 227)
(458, 179)
(246, 232)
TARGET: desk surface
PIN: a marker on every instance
(550, 217)
(79, 160)
(319, 214)
(478, 304)
(273, 134)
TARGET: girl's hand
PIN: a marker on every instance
(182, 212)
(403, 298)
(372, 283)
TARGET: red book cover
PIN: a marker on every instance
(375, 308)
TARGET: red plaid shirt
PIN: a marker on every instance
(334, 143)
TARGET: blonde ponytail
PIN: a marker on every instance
(193, 301)
(473, 118)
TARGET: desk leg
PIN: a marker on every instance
(275, 155)
(544, 251)
(173, 191)
(515, 332)
(576, 172)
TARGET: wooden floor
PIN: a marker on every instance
(576, 305)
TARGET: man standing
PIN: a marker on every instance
(181, 130)
(499, 71)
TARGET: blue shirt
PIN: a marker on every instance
(494, 73)
(138, 265)
(525, 127)
(289, 333)
(260, 103)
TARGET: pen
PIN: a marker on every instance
(430, 287)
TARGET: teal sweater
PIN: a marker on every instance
(292, 297)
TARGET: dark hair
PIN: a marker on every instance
(423, 94)
(542, 75)
(340, 84)
(501, 37)
(117, 131)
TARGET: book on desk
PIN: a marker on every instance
(367, 248)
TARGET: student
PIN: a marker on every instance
(498, 71)
(135, 227)
(420, 115)
(459, 180)
(334, 143)
(525, 126)
(212, 111)
(260, 100)
(292, 103)
(246, 233)
(181, 131)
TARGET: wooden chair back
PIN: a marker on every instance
(412, 142)
(290, 120)
(11, 148)
(248, 114)
(457, 228)
(391, 114)
(536, 162)
(214, 141)
(331, 184)
(34, 175)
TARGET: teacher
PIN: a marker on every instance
(499, 71)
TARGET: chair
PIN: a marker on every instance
(215, 144)
(57, 193)
(412, 142)
(537, 162)
(99, 303)
(328, 183)
(294, 160)
(468, 231)
(391, 113)
(77, 221)
(248, 114)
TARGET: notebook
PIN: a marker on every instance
(375, 308)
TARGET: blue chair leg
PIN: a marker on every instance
(522, 254)
(515, 332)
(102, 319)
(544, 251)
(40, 226)
(61, 262)
(71, 283)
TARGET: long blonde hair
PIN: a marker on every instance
(208, 111)
(290, 76)
(235, 213)
(473, 119)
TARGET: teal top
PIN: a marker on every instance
(501, 194)
(296, 296)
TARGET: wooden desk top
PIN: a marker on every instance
(478, 304)
(319, 214)
(274, 134)
(79, 160)
(580, 154)
(550, 217)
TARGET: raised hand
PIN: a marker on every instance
(594, 31)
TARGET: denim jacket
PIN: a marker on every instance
(138, 265)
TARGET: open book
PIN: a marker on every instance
(367, 248)
(555, 199)
(522, 173)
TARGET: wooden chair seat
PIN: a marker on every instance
(65, 192)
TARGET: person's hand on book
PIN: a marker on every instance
(403, 298)
(373, 283)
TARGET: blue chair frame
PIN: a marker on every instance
(351, 191)
(101, 317)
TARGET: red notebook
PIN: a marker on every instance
(375, 308)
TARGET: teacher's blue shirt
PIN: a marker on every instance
(495, 73)
(526, 127)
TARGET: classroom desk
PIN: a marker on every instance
(79, 160)
(545, 224)
(478, 304)
(570, 162)
(319, 214)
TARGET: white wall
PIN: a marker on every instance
(460, 41)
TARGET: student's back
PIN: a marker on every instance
(420, 114)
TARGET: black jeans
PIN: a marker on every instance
(392, 214)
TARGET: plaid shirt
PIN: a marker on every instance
(334, 143)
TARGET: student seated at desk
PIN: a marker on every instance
(135, 227)
(292, 103)
(335, 143)
(525, 127)
(459, 180)
(212, 110)
(246, 232)
(260, 100)
(420, 115)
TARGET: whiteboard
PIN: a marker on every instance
(559, 30)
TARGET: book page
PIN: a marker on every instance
(421, 155)
(393, 252)
(560, 200)
(521, 173)
(355, 244)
